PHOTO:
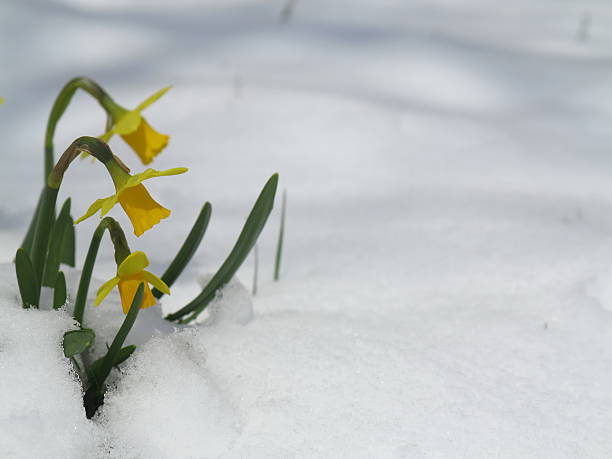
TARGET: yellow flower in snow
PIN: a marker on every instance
(134, 129)
(130, 273)
(143, 211)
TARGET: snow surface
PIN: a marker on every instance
(446, 281)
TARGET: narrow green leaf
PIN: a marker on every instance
(94, 396)
(76, 341)
(44, 225)
(187, 250)
(26, 279)
(281, 238)
(59, 292)
(54, 254)
(250, 232)
(125, 352)
(29, 237)
(68, 251)
(255, 268)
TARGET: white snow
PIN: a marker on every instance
(446, 277)
(41, 409)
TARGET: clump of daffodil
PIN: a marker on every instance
(135, 130)
(130, 273)
(142, 210)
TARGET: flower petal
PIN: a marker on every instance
(105, 289)
(134, 263)
(146, 141)
(156, 282)
(127, 123)
(127, 292)
(97, 205)
(151, 99)
(108, 204)
(152, 173)
(143, 211)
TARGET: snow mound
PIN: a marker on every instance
(231, 305)
(41, 410)
(166, 402)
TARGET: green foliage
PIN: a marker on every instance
(56, 244)
(68, 251)
(59, 292)
(94, 396)
(50, 242)
(94, 369)
(189, 247)
(248, 236)
(281, 238)
(26, 279)
(76, 341)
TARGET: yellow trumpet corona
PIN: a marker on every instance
(142, 210)
(136, 131)
(130, 273)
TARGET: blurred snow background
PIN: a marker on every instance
(446, 286)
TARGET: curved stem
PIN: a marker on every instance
(61, 103)
(121, 251)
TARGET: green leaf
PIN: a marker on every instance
(76, 341)
(44, 225)
(124, 353)
(281, 238)
(191, 244)
(59, 292)
(68, 250)
(26, 279)
(60, 228)
(29, 237)
(250, 232)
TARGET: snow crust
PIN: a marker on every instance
(446, 277)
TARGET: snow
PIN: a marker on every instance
(41, 412)
(445, 289)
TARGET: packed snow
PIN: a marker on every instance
(446, 287)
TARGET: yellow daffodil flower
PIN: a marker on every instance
(143, 211)
(130, 273)
(1, 100)
(137, 133)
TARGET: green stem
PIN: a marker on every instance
(46, 215)
(117, 343)
(61, 103)
(121, 251)
(94, 396)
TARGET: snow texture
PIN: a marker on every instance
(446, 283)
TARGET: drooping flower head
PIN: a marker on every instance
(136, 131)
(142, 210)
(130, 273)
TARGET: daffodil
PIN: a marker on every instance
(142, 210)
(130, 273)
(134, 129)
